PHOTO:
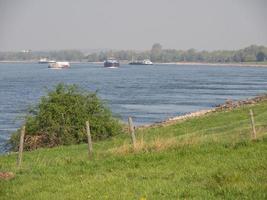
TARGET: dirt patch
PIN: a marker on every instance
(6, 175)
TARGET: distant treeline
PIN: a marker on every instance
(68, 55)
(252, 53)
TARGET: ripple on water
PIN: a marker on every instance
(149, 93)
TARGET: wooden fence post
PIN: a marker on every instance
(131, 128)
(90, 145)
(254, 134)
(21, 142)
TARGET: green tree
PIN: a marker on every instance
(59, 119)
(260, 56)
(156, 52)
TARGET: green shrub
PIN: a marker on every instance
(59, 119)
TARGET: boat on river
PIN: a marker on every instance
(59, 65)
(141, 62)
(111, 62)
(45, 61)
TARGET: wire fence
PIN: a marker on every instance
(252, 127)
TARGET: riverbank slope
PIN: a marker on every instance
(208, 157)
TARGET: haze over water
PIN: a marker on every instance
(148, 93)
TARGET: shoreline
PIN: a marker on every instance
(247, 64)
(227, 105)
(216, 64)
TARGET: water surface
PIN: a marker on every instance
(148, 93)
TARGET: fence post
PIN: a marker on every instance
(254, 134)
(21, 142)
(131, 128)
(90, 146)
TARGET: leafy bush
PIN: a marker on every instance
(59, 119)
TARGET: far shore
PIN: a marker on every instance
(238, 64)
(245, 64)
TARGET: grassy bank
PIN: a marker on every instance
(208, 157)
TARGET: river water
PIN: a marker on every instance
(148, 93)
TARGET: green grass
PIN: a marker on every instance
(209, 157)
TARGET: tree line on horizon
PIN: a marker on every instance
(251, 53)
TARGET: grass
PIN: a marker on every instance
(209, 157)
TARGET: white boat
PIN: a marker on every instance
(59, 65)
(141, 62)
(45, 61)
(147, 62)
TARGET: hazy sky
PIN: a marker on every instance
(132, 24)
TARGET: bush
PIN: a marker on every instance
(59, 119)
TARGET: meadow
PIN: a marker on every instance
(207, 157)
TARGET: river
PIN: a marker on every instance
(148, 93)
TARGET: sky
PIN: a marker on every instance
(132, 24)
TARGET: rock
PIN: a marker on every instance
(228, 105)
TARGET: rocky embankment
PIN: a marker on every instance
(228, 105)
